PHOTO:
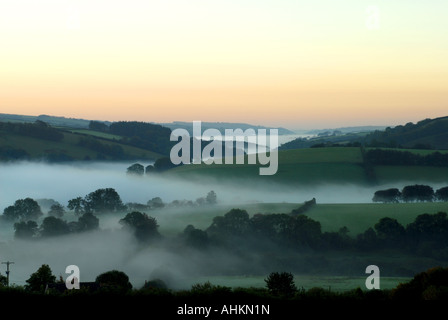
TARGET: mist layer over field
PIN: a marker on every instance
(63, 182)
(113, 248)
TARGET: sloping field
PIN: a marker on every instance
(301, 166)
(38, 148)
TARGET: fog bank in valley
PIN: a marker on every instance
(113, 248)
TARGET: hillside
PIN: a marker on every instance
(425, 134)
(314, 166)
(39, 141)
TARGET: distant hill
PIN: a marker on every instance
(221, 126)
(425, 134)
(51, 120)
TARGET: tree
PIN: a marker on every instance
(390, 231)
(136, 169)
(302, 230)
(52, 226)
(98, 126)
(234, 222)
(281, 284)
(23, 209)
(25, 230)
(388, 196)
(442, 194)
(162, 164)
(156, 203)
(211, 198)
(195, 238)
(417, 193)
(87, 222)
(56, 210)
(114, 280)
(39, 279)
(3, 281)
(77, 205)
(144, 227)
(103, 200)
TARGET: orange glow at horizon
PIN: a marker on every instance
(298, 65)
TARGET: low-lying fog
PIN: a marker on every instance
(112, 248)
(63, 182)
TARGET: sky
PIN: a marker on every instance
(291, 63)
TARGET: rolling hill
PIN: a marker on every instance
(38, 141)
(314, 166)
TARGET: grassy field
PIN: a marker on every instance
(316, 166)
(68, 145)
(390, 174)
(104, 135)
(301, 166)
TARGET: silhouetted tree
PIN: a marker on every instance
(156, 203)
(136, 169)
(442, 194)
(211, 197)
(98, 126)
(163, 164)
(39, 279)
(87, 222)
(56, 210)
(25, 230)
(234, 222)
(281, 284)
(390, 231)
(76, 205)
(23, 209)
(143, 226)
(392, 195)
(103, 200)
(114, 280)
(417, 193)
(52, 226)
(195, 237)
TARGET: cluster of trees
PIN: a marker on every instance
(25, 213)
(157, 203)
(98, 201)
(412, 193)
(405, 158)
(160, 165)
(427, 235)
(52, 226)
(144, 135)
(38, 129)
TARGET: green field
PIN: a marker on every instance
(301, 166)
(38, 148)
(315, 166)
(104, 135)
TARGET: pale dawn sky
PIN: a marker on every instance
(291, 63)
